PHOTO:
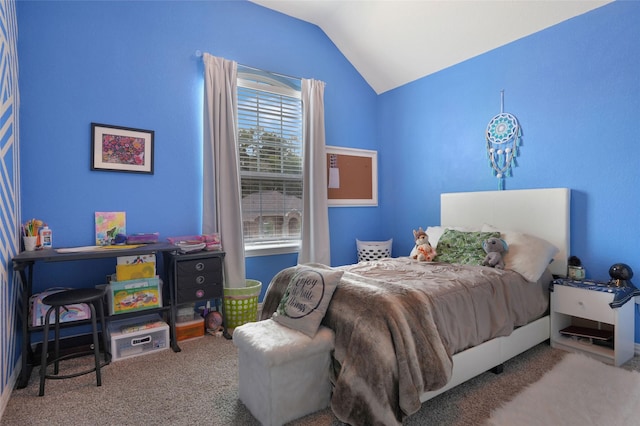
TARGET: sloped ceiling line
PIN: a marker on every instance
(394, 42)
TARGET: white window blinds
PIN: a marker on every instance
(270, 154)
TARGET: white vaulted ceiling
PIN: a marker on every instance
(393, 42)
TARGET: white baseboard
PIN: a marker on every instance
(6, 394)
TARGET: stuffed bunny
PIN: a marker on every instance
(494, 247)
(422, 251)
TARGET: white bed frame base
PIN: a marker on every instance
(540, 212)
(475, 361)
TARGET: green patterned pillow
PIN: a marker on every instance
(463, 247)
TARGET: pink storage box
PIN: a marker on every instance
(143, 238)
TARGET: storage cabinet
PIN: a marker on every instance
(195, 277)
(570, 305)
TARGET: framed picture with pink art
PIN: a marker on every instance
(121, 149)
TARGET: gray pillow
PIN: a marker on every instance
(306, 299)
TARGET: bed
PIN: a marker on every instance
(403, 340)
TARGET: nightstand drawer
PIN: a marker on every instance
(589, 304)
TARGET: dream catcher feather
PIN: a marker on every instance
(503, 139)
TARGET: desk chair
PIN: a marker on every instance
(93, 298)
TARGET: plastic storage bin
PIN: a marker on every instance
(134, 295)
(241, 304)
(185, 312)
(373, 250)
(137, 336)
(190, 329)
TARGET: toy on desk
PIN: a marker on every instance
(135, 239)
(621, 275)
(120, 239)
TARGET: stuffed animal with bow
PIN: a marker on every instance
(422, 251)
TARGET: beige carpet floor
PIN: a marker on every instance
(199, 386)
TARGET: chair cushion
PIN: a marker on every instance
(76, 295)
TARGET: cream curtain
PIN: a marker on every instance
(221, 210)
(315, 220)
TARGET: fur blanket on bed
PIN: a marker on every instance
(407, 356)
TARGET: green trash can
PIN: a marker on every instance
(241, 304)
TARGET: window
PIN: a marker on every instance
(270, 155)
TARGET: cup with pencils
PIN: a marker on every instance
(30, 234)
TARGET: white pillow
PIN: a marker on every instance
(435, 232)
(306, 299)
(527, 255)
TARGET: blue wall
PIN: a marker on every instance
(134, 64)
(575, 88)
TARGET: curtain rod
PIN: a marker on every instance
(199, 54)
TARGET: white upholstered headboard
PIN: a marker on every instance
(543, 213)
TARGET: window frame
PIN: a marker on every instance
(280, 86)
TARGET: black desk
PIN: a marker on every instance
(24, 263)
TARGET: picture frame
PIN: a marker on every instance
(352, 177)
(121, 149)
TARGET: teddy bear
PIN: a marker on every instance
(494, 247)
(422, 251)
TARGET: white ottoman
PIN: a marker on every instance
(283, 374)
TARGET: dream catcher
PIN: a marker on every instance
(503, 138)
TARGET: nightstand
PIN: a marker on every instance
(583, 319)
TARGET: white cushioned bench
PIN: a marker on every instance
(283, 373)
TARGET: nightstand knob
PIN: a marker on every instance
(199, 279)
(199, 266)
